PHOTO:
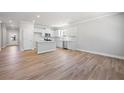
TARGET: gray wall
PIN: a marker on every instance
(4, 37)
(0, 36)
(104, 35)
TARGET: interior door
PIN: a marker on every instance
(28, 36)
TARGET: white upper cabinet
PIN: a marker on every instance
(42, 30)
(39, 28)
(70, 32)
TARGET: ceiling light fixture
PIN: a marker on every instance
(38, 16)
(10, 21)
(0, 21)
(33, 21)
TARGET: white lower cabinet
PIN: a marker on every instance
(45, 46)
(71, 45)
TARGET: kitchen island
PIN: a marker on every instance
(45, 46)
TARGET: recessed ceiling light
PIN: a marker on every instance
(38, 16)
(10, 21)
(33, 21)
(0, 21)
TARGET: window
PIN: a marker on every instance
(13, 37)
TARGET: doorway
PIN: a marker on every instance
(13, 37)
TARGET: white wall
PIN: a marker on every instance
(4, 37)
(103, 36)
(21, 38)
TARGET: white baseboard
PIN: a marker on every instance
(102, 54)
(3, 47)
(12, 44)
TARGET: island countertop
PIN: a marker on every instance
(45, 46)
(43, 41)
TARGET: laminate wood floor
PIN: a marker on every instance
(58, 65)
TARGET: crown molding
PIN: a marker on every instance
(92, 19)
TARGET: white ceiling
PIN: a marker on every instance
(48, 18)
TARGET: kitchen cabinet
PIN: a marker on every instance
(70, 32)
(71, 45)
(45, 46)
(59, 42)
(66, 38)
(42, 30)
